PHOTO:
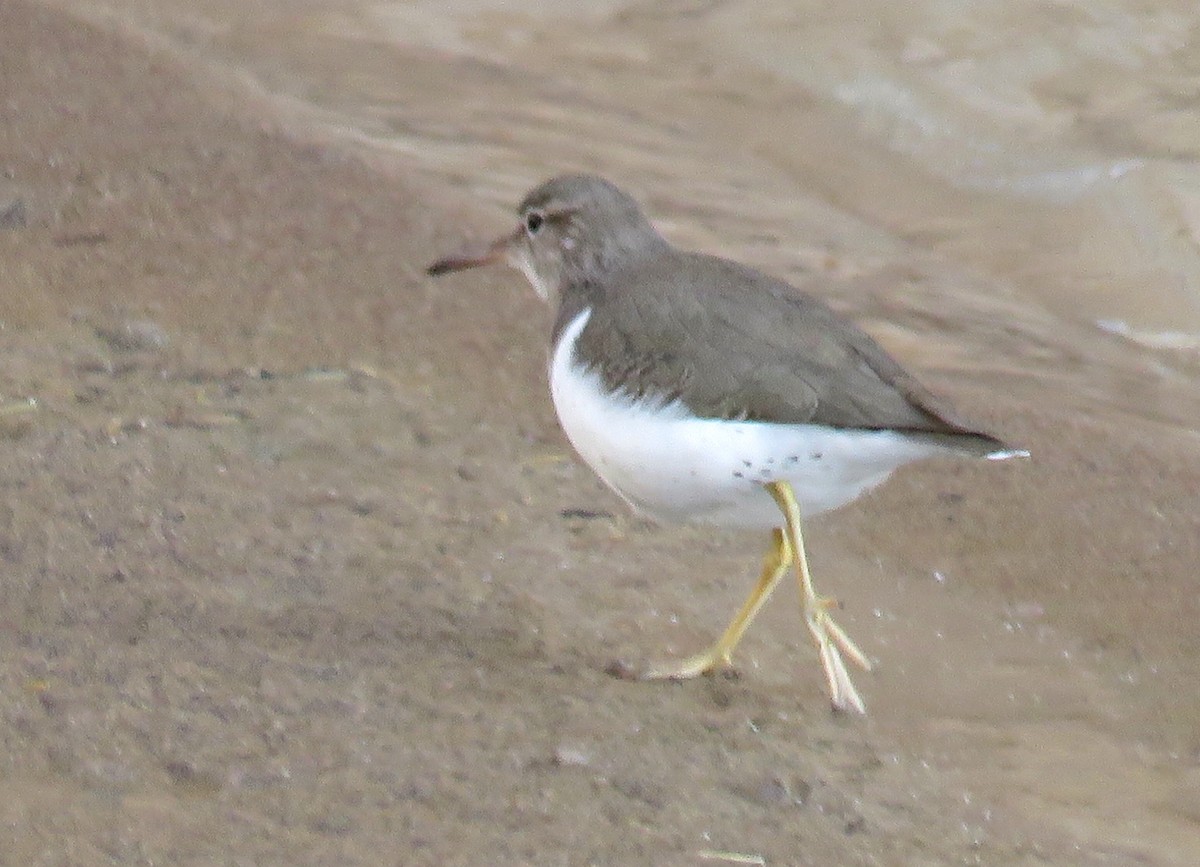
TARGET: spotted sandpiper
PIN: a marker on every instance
(702, 390)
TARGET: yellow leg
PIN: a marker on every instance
(779, 557)
(831, 640)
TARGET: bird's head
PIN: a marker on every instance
(572, 228)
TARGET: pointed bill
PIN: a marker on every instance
(474, 257)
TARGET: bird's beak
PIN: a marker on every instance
(473, 257)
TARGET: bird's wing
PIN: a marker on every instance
(746, 345)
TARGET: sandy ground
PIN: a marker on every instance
(297, 567)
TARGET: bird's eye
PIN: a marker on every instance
(534, 221)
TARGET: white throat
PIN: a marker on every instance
(523, 262)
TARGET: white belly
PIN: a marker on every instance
(672, 466)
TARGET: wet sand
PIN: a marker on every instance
(298, 568)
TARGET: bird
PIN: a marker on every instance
(704, 391)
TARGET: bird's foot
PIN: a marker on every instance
(715, 659)
(832, 641)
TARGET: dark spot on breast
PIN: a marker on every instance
(746, 464)
(793, 459)
(816, 456)
(740, 475)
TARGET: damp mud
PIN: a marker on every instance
(298, 568)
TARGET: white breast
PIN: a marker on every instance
(670, 465)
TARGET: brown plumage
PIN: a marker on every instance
(726, 339)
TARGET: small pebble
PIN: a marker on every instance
(566, 756)
(133, 335)
(13, 214)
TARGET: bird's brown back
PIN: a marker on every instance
(733, 343)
